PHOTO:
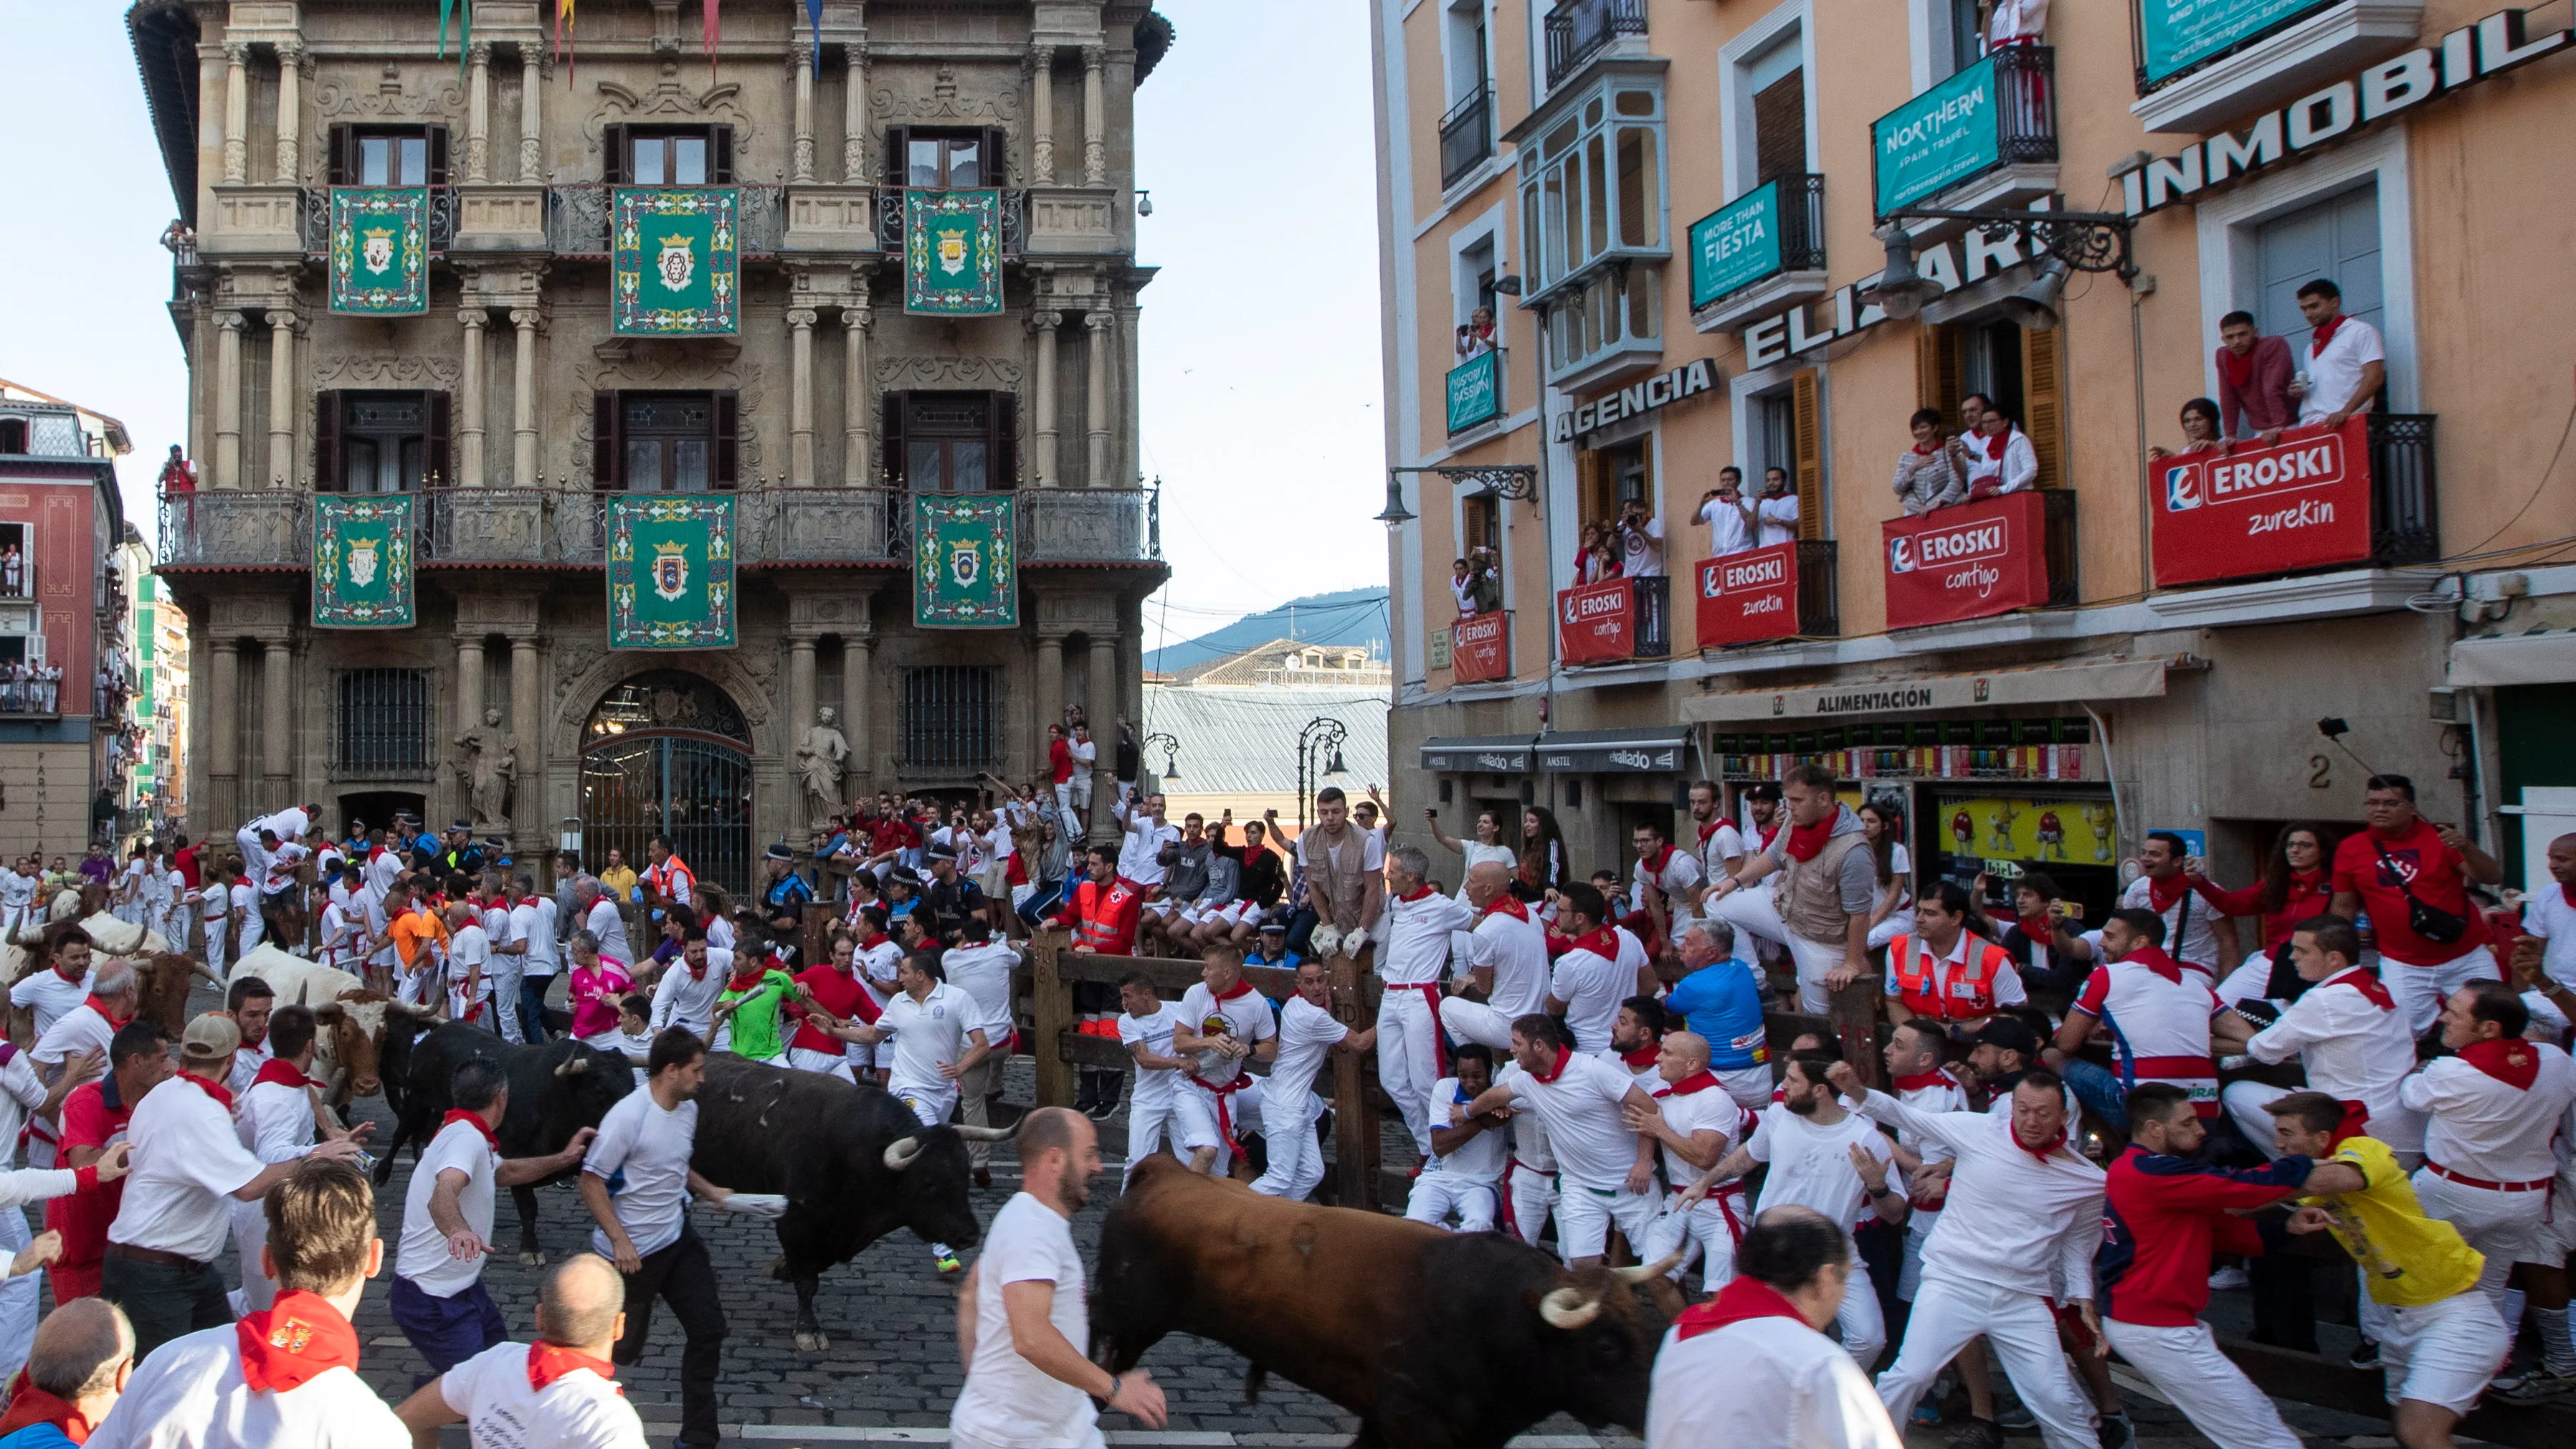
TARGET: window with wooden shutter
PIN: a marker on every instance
(1593, 487)
(728, 455)
(437, 156)
(1005, 425)
(1936, 373)
(997, 152)
(1780, 128)
(891, 453)
(607, 452)
(720, 145)
(896, 146)
(612, 155)
(441, 451)
(326, 441)
(339, 169)
(1809, 473)
(2043, 384)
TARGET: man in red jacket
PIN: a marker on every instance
(2167, 1212)
(1102, 913)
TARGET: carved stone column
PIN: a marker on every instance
(1049, 701)
(854, 117)
(800, 405)
(856, 471)
(532, 114)
(1101, 707)
(527, 721)
(1104, 338)
(523, 400)
(1131, 442)
(803, 65)
(236, 113)
(1046, 463)
(1042, 116)
(858, 686)
(223, 730)
(277, 706)
(283, 325)
(1095, 119)
(469, 685)
(469, 411)
(478, 112)
(228, 398)
(800, 696)
(290, 112)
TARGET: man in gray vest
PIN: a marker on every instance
(1828, 885)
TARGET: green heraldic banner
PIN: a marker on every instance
(678, 269)
(966, 569)
(379, 251)
(952, 253)
(670, 571)
(362, 561)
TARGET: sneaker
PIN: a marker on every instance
(2365, 1355)
(984, 1178)
(2226, 1278)
(2117, 1432)
(2016, 1416)
(1927, 1414)
(1099, 1111)
(948, 1265)
(2537, 1384)
(1978, 1434)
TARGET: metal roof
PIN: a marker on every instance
(1244, 741)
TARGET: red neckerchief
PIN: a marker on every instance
(2239, 371)
(1699, 1081)
(1563, 1056)
(1415, 894)
(222, 1094)
(30, 1405)
(548, 1362)
(2360, 979)
(1770, 832)
(873, 942)
(1241, 988)
(2154, 959)
(2161, 894)
(2043, 1151)
(2318, 339)
(1507, 905)
(738, 982)
(2568, 894)
(698, 972)
(1655, 866)
(300, 1338)
(2038, 927)
(1805, 841)
(1920, 1080)
(110, 1017)
(2509, 1060)
(1921, 451)
(490, 1139)
(1996, 443)
(285, 1073)
(1741, 1299)
(1601, 941)
(1643, 1057)
(2356, 1120)
(1711, 828)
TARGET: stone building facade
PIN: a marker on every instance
(511, 410)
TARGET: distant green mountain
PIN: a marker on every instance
(1351, 617)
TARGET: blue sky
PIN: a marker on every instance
(1261, 377)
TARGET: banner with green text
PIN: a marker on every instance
(678, 265)
(379, 251)
(362, 561)
(670, 571)
(1941, 137)
(966, 569)
(2176, 35)
(952, 253)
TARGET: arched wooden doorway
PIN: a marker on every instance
(668, 753)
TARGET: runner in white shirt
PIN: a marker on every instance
(501, 969)
(1223, 1024)
(285, 1378)
(1719, 844)
(1465, 1178)
(1751, 1368)
(2493, 1112)
(2346, 1031)
(80, 1035)
(686, 995)
(1914, 1068)
(1607, 1172)
(1696, 1122)
(532, 922)
(1588, 982)
(2343, 362)
(981, 967)
(560, 1391)
(57, 988)
(1506, 959)
(1413, 961)
(643, 1227)
(469, 959)
(214, 917)
(939, 1034)
(1023, 1319)
(274, 1115)
(1145, 1028)
(1140, 850)
(1308, 1033)
(603, 920)
(1828, 1159)
(1666, 881)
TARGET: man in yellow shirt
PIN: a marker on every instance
(2439, 1337)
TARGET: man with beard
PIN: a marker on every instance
(1025, 1324)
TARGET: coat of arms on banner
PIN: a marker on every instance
(362, 561)
(966, 563)
(952, 253)
(670, 571)
(379, 250)
(677, 268)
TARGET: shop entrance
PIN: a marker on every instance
(668, 753)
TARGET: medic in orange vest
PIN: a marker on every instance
(1921, 979)
(1103, 909)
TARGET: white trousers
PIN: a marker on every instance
(1473, 1021)
(215, 957)
(1815, 960)
(1296, 1158)
(502, 972)
(2213, 1393)
(2421, 990)
(1749, 1086)
(1948, 1313)
(1909, 1274)
(1149, 1124)
(1584, 1215)
(2402, 1130)
(1408, 1063)
(830, 1064)
(1437, 1196)
(1702, 1232)
(1531, 1191)
(254, 927)
(2442, 1353)
(19, 1307)
(1861, 1323)
(2506, 1227)
(1751, 910)
(1194, 1117)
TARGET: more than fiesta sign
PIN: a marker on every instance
(2462, 58)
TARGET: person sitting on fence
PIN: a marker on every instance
(1223, 1025)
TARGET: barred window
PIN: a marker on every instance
(951, 718)
(380, 724)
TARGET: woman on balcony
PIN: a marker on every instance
(1931, 474)
(2199, 431)
(2000, 457)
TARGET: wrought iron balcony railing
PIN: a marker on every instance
(1015, 220)
(1579, 29)
(237, 528)
(313, 222)
(579, 219)
(818, 526)
(1466, 135)
(2405, 523)
(1090, 525)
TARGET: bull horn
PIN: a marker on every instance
(202, 969)
(1569, 1309)
(573, 1068)
(987, 1134)
(900, 1153)
(1646, 1272)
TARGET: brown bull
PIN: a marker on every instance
(1436, 1340)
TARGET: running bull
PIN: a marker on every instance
(555, 1090)
(1436, 1340)
(852, 1162)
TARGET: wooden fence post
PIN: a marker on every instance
(1051, 1013)
(1354, 1125)
(1854, 1014)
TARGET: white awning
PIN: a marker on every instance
(2097, 679)
(2543, 656)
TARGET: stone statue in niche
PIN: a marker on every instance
(487, 761)
(819, 758)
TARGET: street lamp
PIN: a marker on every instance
(1322, 736)
(1395, 514)
(1171, 753)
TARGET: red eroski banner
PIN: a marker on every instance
(1748, 597)
(2303, 502)
(1968, 562)
(1596, 623)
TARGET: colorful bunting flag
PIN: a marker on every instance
(814, 22)
(564, 27)
(465, 36)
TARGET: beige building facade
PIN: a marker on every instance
(512, 409)
(1676, 210)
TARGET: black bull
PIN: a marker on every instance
(853, 1163)
(1435, 1340)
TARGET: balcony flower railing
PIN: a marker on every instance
(578, 219)
(1580, 29)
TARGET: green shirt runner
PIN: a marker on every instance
(754, 1025)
